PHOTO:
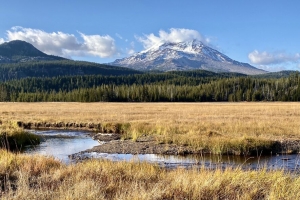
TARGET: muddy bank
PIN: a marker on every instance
(111, 143)
(145, 145)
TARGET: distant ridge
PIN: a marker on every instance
(280, 74)
(190, 55)
(19, 59)
(20, 51)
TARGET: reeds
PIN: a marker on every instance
(236, 128)
(38, 177)
(217, 127)
(13, 137)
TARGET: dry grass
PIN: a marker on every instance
(217, 126)
(13, 137)
(38, 177)
(268, 119)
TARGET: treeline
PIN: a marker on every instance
(166, 87)
(69, 83)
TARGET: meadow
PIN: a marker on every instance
(194, 124)
(236, 128)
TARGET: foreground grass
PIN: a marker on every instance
(217, 127)
(38, 177)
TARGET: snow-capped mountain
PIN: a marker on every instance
(189, 55)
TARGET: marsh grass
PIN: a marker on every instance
(39, 177)
(13, 137)
(237, 128)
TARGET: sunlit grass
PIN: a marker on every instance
(39, 177)
(13, 137)
(215, 127)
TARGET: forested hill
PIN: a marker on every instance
(58, 68)
(20, 59)
(280, 74)
(18, 51)
(194, 86)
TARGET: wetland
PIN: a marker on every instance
(126, 151)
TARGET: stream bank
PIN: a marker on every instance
(151, 145)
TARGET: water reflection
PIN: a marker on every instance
(62, 143)
(286, 162)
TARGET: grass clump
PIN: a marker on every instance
(13, 137)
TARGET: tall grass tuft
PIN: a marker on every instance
(13, 137)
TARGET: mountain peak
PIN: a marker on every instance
(190, 46)
(188, 55)
(19, 48)
(21, 51)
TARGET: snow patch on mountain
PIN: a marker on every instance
(188, 55)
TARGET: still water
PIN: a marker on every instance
(61, 144)
(286, 162)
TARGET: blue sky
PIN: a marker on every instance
(265, 34)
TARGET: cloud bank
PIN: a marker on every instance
(64, 44)
(174, 35)
(103, 46)
(265, 58)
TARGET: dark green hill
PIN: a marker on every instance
(19, 59)
(59, 68)
(19, 48)
(20, 51)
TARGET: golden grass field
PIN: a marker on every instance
(216, 126)
(268, 119)
(39, 177)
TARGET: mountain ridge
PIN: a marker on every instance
(20, 59)
(182, 56)
(18, 51)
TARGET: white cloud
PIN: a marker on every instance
(174, 35)
(2, 40)
(96, 45)
(265, 58)
(64, 44)
(51, 43)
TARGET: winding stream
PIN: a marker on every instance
(61, 144)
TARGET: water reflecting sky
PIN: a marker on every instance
(60, 144)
